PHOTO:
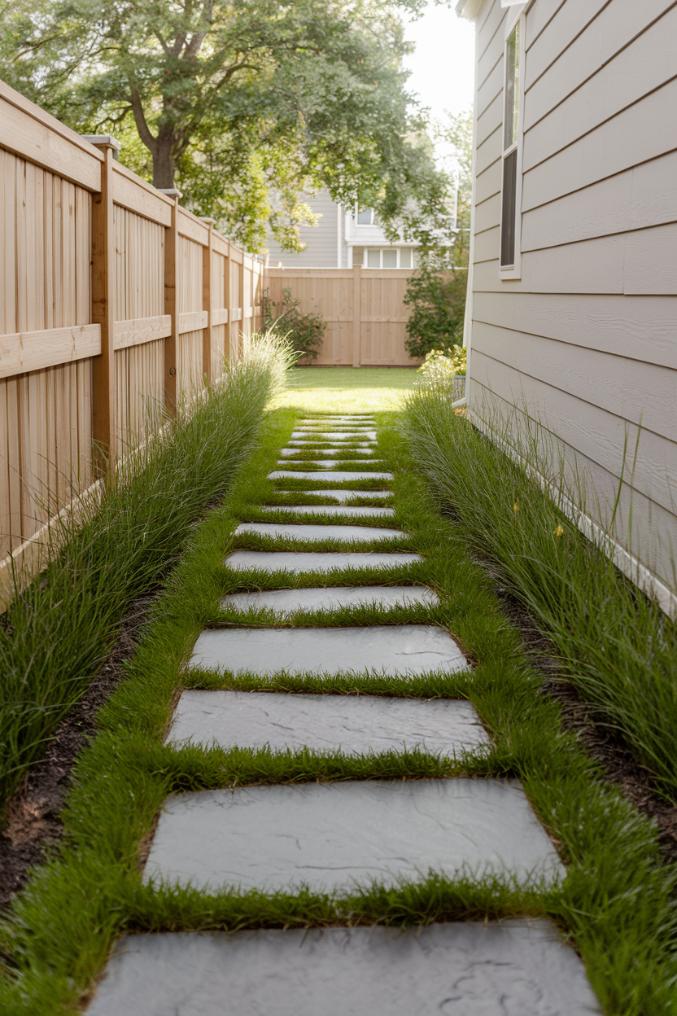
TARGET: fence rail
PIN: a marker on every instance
(115, 302)
(364, 311)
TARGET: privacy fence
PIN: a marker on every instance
(364, 311)
(115, 302)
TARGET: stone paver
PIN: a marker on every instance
(303, 444)
(345, 495)
(333, 837)
(406, 650)
(352, 724)
(319, 532)
(345, 462)
(506, 968)
(340, 511)
(325, 453)
(300, 561)
(290, 601)
(336, 475)
(335, 435)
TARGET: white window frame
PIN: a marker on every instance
(517, 14)
(380, 258)
(365, 225)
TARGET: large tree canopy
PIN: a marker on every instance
(242, 104)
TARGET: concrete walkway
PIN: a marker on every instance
(338, 837)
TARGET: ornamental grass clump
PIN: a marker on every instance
(58, 632)
(615, 645)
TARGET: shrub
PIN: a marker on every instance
(443, 370)
(58, 632)
(615, 645)
(437, 301)
(305, 332)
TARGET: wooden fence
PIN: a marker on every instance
(115, 302)
(364, 310)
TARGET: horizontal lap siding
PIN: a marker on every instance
(45, 431)
(585, 339)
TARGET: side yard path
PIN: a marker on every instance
(366, 805)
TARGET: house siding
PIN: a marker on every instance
(321, 239)
(586, 339)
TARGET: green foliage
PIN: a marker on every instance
(242, 104)
(59, 631)
(441, 367)
(305, 332)
(437, 300)
(615, 645)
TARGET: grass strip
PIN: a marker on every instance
(615, 903)
(615, 645)
(58, 632)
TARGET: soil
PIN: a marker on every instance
(34, 824)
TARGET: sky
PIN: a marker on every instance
(441, 67)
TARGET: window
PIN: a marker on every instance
(389, 257)
(511, 182)
(365, 217)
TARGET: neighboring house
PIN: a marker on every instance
(572, 312)
(342, 239)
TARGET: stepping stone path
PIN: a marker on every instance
(338, 837)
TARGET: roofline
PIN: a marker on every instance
(468, 8)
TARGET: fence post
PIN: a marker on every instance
(240, 297)
(171, 301)
(104, 429)
(207, 300)
(357, 316)
(229, 307)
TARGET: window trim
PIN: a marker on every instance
(515, 16)
(364, 225)
(398, 266)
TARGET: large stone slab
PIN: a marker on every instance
(335, 837)
(290, 601)
(319, 532)
(337, 475)
(405, 650)
(340, 511)
(325, 453)
(345, 462)
(335, 435)
(344, 495)
(298, 562)
(352, 724)
(303, 444)
(498, 968)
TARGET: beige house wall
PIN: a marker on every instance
(586, 339)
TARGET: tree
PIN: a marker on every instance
(237, 100)
(436, 292)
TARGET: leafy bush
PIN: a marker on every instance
(615, 645)
(441, 368)
(437, 300)
(305, 332)
(58, 632)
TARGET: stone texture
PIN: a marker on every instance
(340, 511)
(344, 495)
(345, 462)
(326, 453)
(337, 475)
(334, 837)
(335, 435)
(406, 650)
(301, 444)
(506, 968)
(299, 562)
(290, 601)
(319, 532)
(352, 724)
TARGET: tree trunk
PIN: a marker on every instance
(164, 167)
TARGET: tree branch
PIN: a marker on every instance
(141, 123)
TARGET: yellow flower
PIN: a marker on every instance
(516, 507)
(559, 531)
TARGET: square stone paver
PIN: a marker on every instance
(406, 650)
(334, 837)
(298, 561)
(319, 532)
(498, 968)
(340, 511)
(352, 724)
(330, 475)
(289, 601)
(345, 495)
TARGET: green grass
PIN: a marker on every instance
(614, 644)
(347, 389)
(57, 633)
(615, 904)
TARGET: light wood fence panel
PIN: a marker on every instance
(363, 309)
(114, 301)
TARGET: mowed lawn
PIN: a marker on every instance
(347, 389)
